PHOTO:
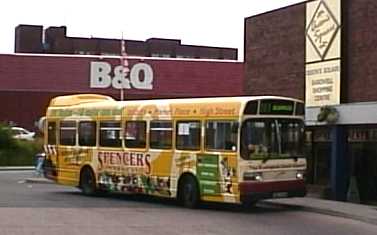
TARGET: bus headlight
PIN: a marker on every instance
(300, 175)
(254, 176)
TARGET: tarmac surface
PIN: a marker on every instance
(359, 212)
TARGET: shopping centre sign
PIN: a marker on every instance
(323, 52)
(139, 77)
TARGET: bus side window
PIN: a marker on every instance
(51, 133)
(87, 133)
(135, 134)
(221, 135)
(160, 134)
(188, 135)
(109, 134)
(68, 133)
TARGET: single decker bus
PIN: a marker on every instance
(220, 149)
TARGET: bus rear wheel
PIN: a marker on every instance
(188, 194)
(87, 182)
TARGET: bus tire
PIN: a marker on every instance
(88, 182)
(188, 192)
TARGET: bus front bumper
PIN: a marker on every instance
(255, 191)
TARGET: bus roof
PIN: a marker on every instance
(101, 106)
(69, 100)
(91, 100)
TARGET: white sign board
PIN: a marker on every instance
(323, 52)
(323, 83)
(183, 129)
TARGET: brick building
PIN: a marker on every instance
(275, 51)
(47, 63)
(275, 54)
(53, 40)
(28, 82)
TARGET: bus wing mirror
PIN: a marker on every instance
(41, 124)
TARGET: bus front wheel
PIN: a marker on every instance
(188, 193)
(87, 182)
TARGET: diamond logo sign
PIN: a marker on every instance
(322, 29)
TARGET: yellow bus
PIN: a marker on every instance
(223, 149)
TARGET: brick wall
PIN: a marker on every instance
(28, 82)
(275, 53)
(23, 108)
(361, 50)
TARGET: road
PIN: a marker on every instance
(52, 209)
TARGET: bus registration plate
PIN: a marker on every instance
(280, 194)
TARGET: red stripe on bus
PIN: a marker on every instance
(277, 186)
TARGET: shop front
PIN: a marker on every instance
(342, 157)
(362, 145)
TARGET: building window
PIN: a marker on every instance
(68, 133)
(188, 135)
(135, 134)
(87, 133)
(161, 134)
(221, 135)
(110, 134)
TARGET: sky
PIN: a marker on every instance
(218, 23)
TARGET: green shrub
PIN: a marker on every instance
(17, 152)
(6, 140)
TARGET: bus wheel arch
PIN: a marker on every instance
(188, 190)
(88, 183)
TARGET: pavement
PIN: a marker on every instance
(16, 168)
(34, 179)
(312, 203)
(360, 212)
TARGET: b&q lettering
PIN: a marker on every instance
(100, 76)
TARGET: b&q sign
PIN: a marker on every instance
(140, 76)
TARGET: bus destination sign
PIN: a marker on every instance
(276, 107)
